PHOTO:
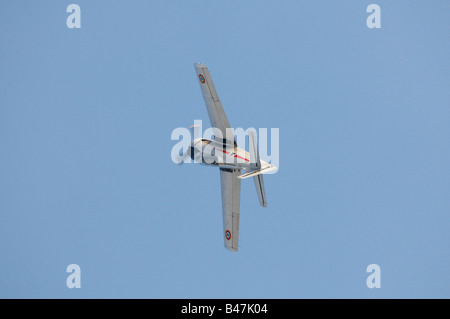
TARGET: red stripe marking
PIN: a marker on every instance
(234, 155)
(241, 157)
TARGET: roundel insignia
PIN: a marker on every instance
(227, 234)
(201, 78)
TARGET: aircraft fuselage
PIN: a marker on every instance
(212, 153)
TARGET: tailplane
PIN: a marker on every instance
(257, 169)
(254, 172)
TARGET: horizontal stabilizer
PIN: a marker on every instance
(259, 184)
(251, 173)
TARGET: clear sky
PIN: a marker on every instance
(86, 176)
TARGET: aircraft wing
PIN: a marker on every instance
(214, 107)
(231, 195)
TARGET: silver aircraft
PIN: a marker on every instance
(222, 152)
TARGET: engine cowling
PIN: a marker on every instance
(202, 151)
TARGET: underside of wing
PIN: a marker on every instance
(231, 194)
(214, 107)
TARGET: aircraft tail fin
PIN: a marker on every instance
(254, 152)
(256, 170)
(257, 166)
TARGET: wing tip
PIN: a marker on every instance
(232, 249)
(199, 65)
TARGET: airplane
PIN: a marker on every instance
(229, 158)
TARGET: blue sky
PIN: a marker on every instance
(86, 175)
